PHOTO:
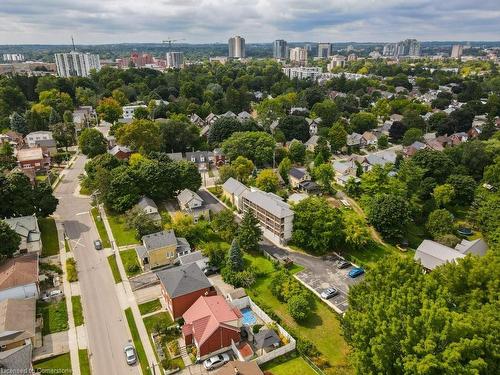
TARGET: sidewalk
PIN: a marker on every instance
(129, 294)
(72, 332)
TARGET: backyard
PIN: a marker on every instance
(55, 316)
(294, 366)
(322, 327)
(130, 262)
(54, 365)
(123, 236)
(50, 241)
(100, 228)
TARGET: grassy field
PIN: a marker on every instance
(83, 357)
(294, 366)
(114, 269)
(141, 354)
(100, 228)
(76, 302)
(55, 316)
(323, 326)
(149, 307)
(130, 262)
(50, 241)
(163, 318)
(60, 362)
(122, 235)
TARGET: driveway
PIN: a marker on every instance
(210, 202)
(53, 344)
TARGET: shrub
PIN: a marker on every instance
(133, 268)
(71, 271)
(299, 307)
(256, 328)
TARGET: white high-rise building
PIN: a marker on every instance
(13, 57)
(336, 60)
(75, 64)
(280, 49)
(324, 50)
(298, 55)
(408, 47)
(175, 60)
(236, 46)
(456, 51)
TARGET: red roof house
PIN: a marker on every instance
(211, 323)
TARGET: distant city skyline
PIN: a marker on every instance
(262, 21)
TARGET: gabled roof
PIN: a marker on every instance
(25, 226)
(313, 141)
(17, 360)
(147, 202)
(207, 314)
(115, 150)
(175, 156)
(27, 154)
(265, 338)
(182, 280)
(18, 271)
(40, 132)
(476, 247)
(297, 173)
(244, 115)
(353, 139)
(269, 202)
(344, 166)
(159, 239)
(233, 186)
(17, 320)
(432, 254)
(186, 196)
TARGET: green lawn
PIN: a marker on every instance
(71, 270)
(141, 354)
(369, 255)
(162, 317)
(130, 262)
(66, 246)
(149, 307)
(322, 328)
(100, 228)
(55, 316)
(85, 191)
(122, 235)
(294, 366)
(83, 357)
(114, 269)
(76, 301)
(60, 362)
(50, 241)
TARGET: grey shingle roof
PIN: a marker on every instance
(17, 359)
(159, 239)
(265, 339)
(147, 202)
(270, 202)
(25, 226)
(476, 247)
(297, 173)
(186, 196)
(183, 280)
(432, 254)
(233, 186)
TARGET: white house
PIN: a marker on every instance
(19, 277)
(33, 137)
(150, 208)
(128, 110)
(192, 204)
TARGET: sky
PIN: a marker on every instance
(210, 21)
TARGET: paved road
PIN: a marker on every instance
(107, 328)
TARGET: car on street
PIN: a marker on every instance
(355, 272)
(216, 361)
(341, 264)
(130, 355)
(98, 244)
(329, 293)
(52, 294)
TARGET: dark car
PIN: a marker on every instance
(355, 272)
(329, 293)
(341, 264)
(98, 244)
(210, 270)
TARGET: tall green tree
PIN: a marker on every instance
(439, 223)
(109, 110)
(337, 136)
(224, 224)
(18, 124)
(9, 239)
(267, 180)
(389, 214)
(249, 232)
(235, 257)
(64, 134)
(92, 142)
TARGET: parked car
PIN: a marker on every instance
(210, 270)
(464, 231)
(130, 355)
(341, 264)
(329, 293)
(52, 294)
(98, 244)
(216, 361)
(355, 272)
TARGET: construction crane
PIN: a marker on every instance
(170, 41)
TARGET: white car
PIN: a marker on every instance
(52, 294)
(130, 355)
(216, 361)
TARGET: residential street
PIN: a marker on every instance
(107, 329)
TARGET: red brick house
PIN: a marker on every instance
(33, 158)
(120, 152)
(211, 324)
(182, 286)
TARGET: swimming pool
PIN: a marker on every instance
(248, 316)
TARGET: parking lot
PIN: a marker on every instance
(330, 277)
